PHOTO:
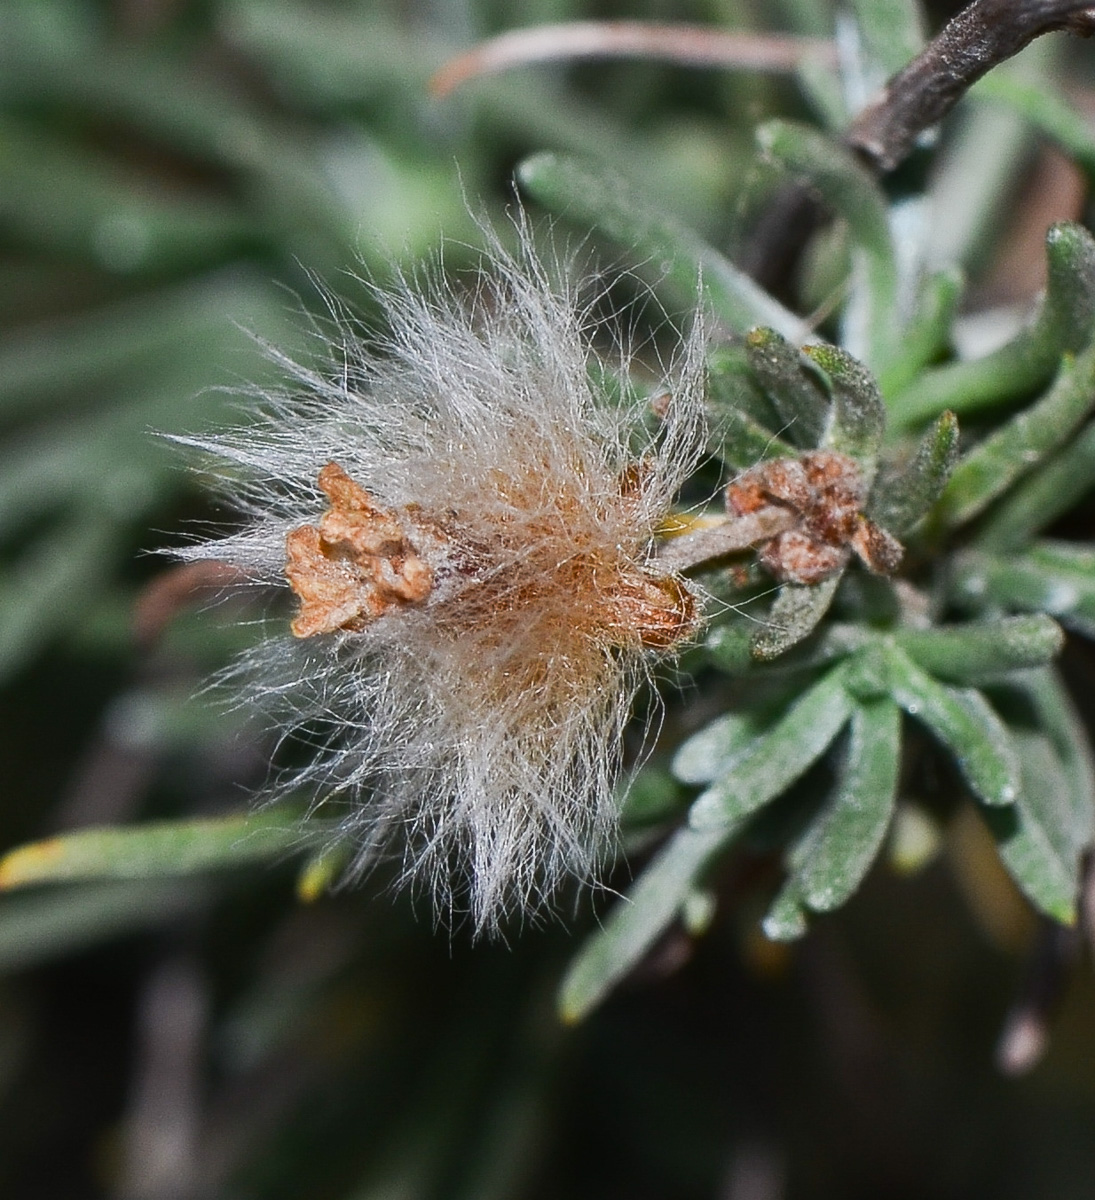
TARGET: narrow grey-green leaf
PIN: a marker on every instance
(1034, 836)
(905, 491)
(980, 650)
(740, 442)
(963, 721)
(150, 89)
(992, 466)
(1061, 723)
(799, 399)
(44, 925)
(652, 796)
(68, 200)
(778, 757)
(42, 365)
(109, 461)
(1068, 311)
(838, 849)
(847, 188)
(891, 33)
(858, 417)
(1046, 494)
(1053, 577)
(159, 848)
(592, 196)
(729, 646)
(711, 752)
(794, 615)
(733, 383)
(639, 919)
(48, 588)
(1063, 323)
(926, 335)
(785, 920)
(821, 86)
(1047, 110)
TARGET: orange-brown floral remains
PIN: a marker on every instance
(355, 565)
(363, 561)
(825, 489)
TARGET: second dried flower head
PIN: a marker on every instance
(468, 524)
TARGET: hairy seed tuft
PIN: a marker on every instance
(468, 527)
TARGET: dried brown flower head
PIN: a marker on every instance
(469, 526)
(825, 490)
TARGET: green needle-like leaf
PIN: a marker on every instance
(42, 365)
(891, 32)
(794, 615)
(1047, 110)
(321, 870)
(640, 919)
(1052, 577)
(73, 202)
(995, 464)
(713, 751)
(740, 442)
(848, 189)
(1058, 719)
(981, 650)
(927, 335)
(1067, 317)
(777, 758)
(1064, 323)
(592, 196)
(159, 848)
(740, 418)
(1034, 836)
(1071, 568)
(799, 400)
(836, 851)
(1037, 501)
(729, 647)
(653, 796)
(43, 925)
(732, 382)
(963, 722)
(785, 920)
(46, 590)
(840, 846)
(858, 418)
(905, 491)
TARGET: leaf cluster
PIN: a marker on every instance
(866, 660)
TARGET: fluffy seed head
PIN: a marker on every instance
(467, 524)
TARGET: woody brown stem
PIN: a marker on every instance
(981, 36)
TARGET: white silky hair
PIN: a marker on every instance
(477, 735)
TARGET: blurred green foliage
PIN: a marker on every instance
(176, 1020)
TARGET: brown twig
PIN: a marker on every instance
(691, 45)
(980, 37)
(983, 35)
